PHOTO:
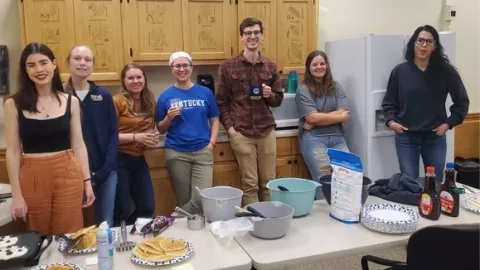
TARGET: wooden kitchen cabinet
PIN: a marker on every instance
(207, 26)
(62, 24)
(149, 31)
(265, 11)
(98, 25)
(297, 33)
(49, 22)
(154, 29)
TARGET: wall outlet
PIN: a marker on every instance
(450, 13)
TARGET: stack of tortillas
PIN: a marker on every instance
(160, 249)
(87, 241)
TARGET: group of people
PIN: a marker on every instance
(72, 144)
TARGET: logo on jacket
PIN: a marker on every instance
(96, 97)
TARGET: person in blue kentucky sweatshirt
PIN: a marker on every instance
(100, 130)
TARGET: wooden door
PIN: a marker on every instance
(284, 167)
(297, 33)
(300, 169)
(227, 174)
(50, 22)
(98, 24)
(154, 29)
(265, 11)
(207, 26)
(165, 199)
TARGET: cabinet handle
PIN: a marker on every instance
(221, 154)
(289, 162)
(295, 161)
(280, 71)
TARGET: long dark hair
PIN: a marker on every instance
(146, 96)
(319, 87)
(438, 61)
(26, 96)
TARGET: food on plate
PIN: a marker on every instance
(89, 239)
(60, 267)
(82, 232)
(12, 252)
(160, 249)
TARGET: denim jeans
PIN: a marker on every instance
(314, 152)
(105, 199)
(411, 145)
(133, 180)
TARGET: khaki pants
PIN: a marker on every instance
(52, 187)
(188, 170)
(256, 159)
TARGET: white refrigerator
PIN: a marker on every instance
(363, 65)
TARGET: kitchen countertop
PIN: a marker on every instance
(319, 237)
(210, 252)
(223, 135)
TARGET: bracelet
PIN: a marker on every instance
(88, 179)
(133, 137)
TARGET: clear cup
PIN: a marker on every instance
(176, 103)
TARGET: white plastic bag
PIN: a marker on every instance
(346, 187)
(232, 228)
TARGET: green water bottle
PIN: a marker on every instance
(292, 81)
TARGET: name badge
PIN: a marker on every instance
(96, 97)
(255, 92)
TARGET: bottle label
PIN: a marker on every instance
(447, 202)
(426, 204)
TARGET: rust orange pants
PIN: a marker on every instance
(52, 187)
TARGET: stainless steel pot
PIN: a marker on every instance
(195, 222)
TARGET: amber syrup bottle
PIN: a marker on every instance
(429, 203)
(449, 196)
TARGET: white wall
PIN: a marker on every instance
(347, 18)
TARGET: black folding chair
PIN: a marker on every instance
(438, 248)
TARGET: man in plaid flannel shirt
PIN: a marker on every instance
(249, 85)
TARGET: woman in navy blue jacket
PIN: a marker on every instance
(100, 130)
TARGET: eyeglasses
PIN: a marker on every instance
(422, 41)
(249, 33)
(179, 66)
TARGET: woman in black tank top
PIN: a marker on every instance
(47, 160)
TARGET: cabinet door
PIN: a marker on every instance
(50, 22)
(154, 28)
(227, 174)
(297, 37)
(165, 199)
(98, 24)
(265, 11)
(300, 169)
(207, 26)
(284, 167)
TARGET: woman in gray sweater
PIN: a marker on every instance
(322, 106)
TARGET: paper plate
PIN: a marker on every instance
(390, 218)
(45, 267)
(62, 245)
(472, 204)
(140, 261)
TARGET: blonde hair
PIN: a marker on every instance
(79, 46)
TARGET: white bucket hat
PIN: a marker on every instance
(177, 55)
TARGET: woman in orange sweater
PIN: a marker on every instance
(135, 107)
